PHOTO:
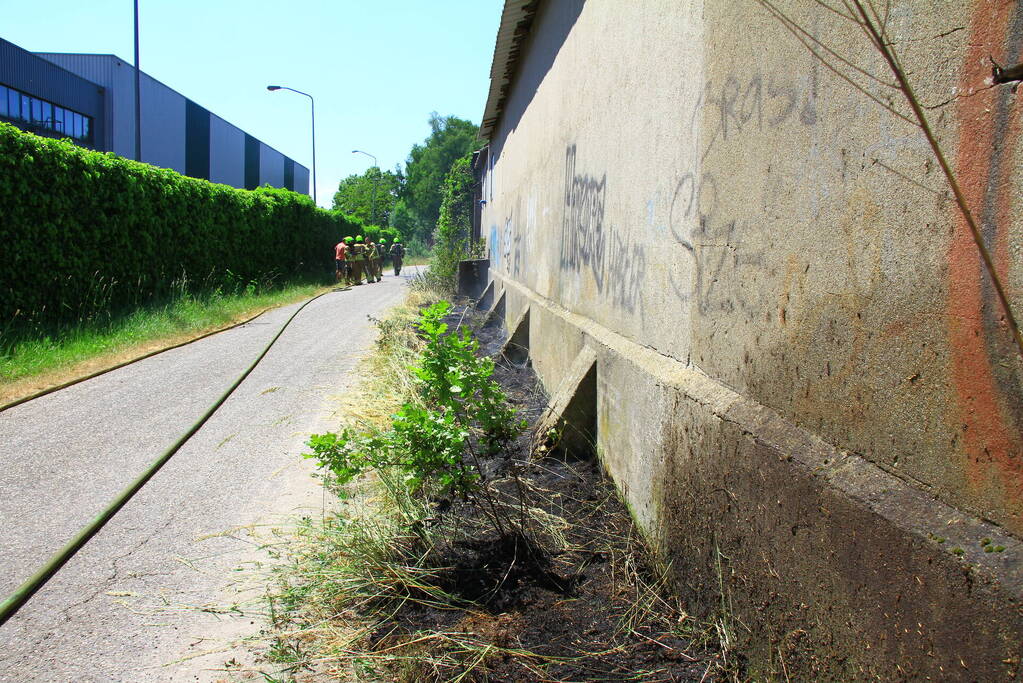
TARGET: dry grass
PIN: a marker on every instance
(345, 573)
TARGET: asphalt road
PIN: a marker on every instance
(166, 589)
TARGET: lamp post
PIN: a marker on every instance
(138, 97)
(312, 109)
(376, 181)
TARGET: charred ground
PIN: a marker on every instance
(576, 598)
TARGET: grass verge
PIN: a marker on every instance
(31, 360)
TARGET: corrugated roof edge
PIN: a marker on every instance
(56, 66)
(516, 21)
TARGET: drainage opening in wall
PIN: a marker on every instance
(495, 316)
(516, 349)
(569, 425)
(486, 299)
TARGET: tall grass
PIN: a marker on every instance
(29, 348)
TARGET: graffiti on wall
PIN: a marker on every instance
(511, 242)
(711, 245)
(711, 242)
(506, 248)
(582, 231)
(987, 384)
(495, 247)
(756, 101)
(591, 244)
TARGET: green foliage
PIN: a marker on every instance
(85, 231)
(370, 197)
(428, 164)
(459, 407)
(402, 221)
(455, 378)
(451, 238)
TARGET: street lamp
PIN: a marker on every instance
(376, 181)
(312, 106)
(138, 97)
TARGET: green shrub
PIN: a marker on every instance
(77, 222)
(433, 441)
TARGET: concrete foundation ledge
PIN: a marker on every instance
(817, 563)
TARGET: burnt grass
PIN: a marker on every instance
(575, 601)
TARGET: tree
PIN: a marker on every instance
(404, 222)
(450, 139)
(370, 197)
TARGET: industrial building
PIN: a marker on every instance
(90, 98)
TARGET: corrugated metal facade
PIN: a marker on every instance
(301, 179)
(103, 70)
(251, 162)
(227, 153)
(30, 74)
(197, 141)
(163, 124)
(271, 166)
(173, 127)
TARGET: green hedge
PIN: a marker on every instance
(82, 230)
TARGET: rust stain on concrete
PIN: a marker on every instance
(987, 384)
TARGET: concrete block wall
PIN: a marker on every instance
(803, 380)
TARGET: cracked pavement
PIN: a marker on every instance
(167, 590)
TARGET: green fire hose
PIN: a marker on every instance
(25, 591)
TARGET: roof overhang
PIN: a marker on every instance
(516, 21)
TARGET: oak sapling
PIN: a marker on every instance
(433, 441)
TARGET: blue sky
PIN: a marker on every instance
(377, 68)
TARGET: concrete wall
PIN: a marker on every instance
(800, 365)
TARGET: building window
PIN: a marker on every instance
(14, 102)
(58, 119)
(38, 115)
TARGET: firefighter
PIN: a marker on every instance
(382, 253)
(373, 259)
(349, 255)
(359, 260)
(397, 254)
